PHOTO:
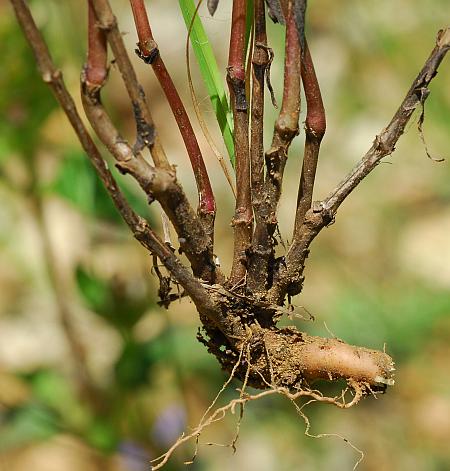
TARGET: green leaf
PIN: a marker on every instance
(95, 292)
(55, 391)
(210, 73)
(133, 366)
(77, 182)
(25, 425)
(103, 436)
(112, 300)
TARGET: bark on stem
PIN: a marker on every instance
(315, 126)
(286, 128)
(150, 54)
(139, 227)
(243, 218)
(146, 131)
(96, 70)
(289, 277)
(157, 183)
(257, 277)
(285, 356)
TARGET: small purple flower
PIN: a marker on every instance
(134, 457)
(169, 425)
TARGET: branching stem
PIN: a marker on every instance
(284, 360)
(139, 227)
(146, 132)
(157, 183)
(289, 278)
(150, 53)
(243, 218)
(286, 128)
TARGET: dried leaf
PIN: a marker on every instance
(424, 93)
(299, 7)
(269, 51)
(275, 11)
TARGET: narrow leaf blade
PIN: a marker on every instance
(210, 73)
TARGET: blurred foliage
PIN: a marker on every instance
(27, 424)
(26, 105)
(379, 275)
(111, 300)
(77, 182)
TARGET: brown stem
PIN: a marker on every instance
(260, 62)
(157, 183)
(96, 70)
(276, 358)
(286, 128)
(149, 52)
(289, 277)
(315, 125)
(146, 132)
(257, 277)
(243, 218)
(107, 21)
(139, 227)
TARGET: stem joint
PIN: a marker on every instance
(148, 51)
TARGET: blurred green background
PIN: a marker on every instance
(95, 376)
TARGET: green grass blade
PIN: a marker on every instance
(248, 23)
(210, 74)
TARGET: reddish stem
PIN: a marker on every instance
(96, 70)
(146, 132)
(315, 126)
(143, 29)
(260, 62)
(315, 115)
(286, 128)
(149, 52)
(243, 218)
(287, 123)
(236, 55)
